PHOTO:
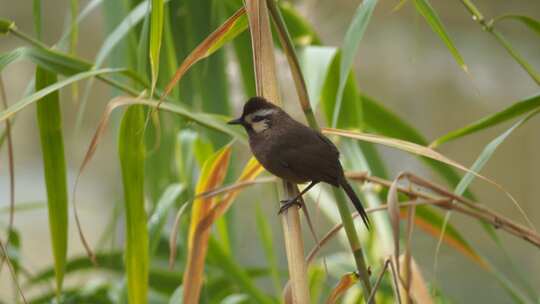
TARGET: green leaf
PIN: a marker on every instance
(487, 153)
(354, 34)
(432, 223)
(315, 61)
(89, 8)
(265, 233)
(301, 31)
(239, 26)
(156, 33)
(427, 11)
(48, 59)
(352, 117)
(531, 23)
(131, 152)
(163, 208)
(233, 269)
(26, 101)
(49, 119)
(516, 109)
(517, 56)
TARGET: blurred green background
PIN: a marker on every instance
(400, 62)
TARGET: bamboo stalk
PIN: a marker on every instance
(267, 86)
(303, 97)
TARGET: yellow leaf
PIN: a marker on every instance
(343, 285)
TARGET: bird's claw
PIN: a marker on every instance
(288, 203)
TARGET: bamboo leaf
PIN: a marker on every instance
(54, 166)
(354, 34)
(486, 154)
(517, 56)
(26, 101)
(315, 61)
(265, 233)
(227, 31)
(131, 153)
(212, 175)
(419, 290)
(352, 117)
(406, 146)
(302, 32)
(252, 169)
(385, 122)
(432, 223)
(233, 269)
(51, 60)
(432, 18)
(159, 216)
(516, 109)
(531, 23)
(156, 33)
(346, 282)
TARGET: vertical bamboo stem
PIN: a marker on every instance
(303, 96)
(267, 86)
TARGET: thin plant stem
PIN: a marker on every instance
(267, 86)
(352, 236)
(488, 26)
(378, 282)
(354, 241)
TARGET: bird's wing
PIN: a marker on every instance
(309, 156)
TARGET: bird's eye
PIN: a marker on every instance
(257, 118)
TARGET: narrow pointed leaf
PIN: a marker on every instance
(409, 147)
(156, 33)
(352, 39)
(212, 175)
(231, 28)
(131, 152)
(346, 282)
(26, 101)
(531, 23)
(432, 223)
(49, 118)
(432, 18)
(159, 216)
(516, 109)
(233, 269)
(419, 288)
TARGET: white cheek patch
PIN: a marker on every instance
(263, 124)
(259, 126)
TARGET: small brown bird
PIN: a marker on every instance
(293, 151)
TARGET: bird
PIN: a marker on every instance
(293, 151)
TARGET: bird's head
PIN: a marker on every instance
(258, 115)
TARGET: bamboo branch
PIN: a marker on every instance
(489, 27)
(463, 205)
(475, 210)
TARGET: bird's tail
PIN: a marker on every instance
(355, 200)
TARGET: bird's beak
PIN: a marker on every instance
(238, 121)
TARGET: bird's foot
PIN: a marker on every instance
(288, 203)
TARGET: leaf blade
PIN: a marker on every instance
(352, 39)
(432, 18)
(131, 154)
(54, 166)
(516, 109)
